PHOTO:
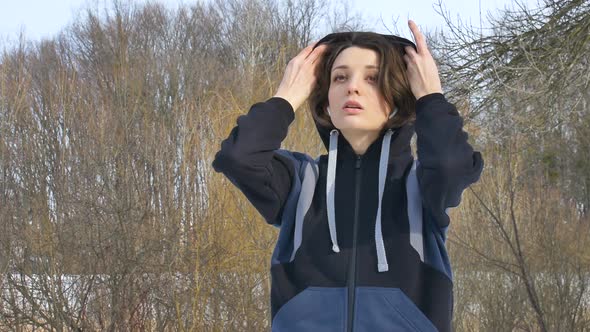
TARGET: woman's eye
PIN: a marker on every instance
(339, 77)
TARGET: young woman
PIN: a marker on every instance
(362, 234)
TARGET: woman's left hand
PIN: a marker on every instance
(422, 71)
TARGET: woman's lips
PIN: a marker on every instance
(352, 107)
(350, 110)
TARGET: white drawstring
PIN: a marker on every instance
(382, 265)
(330, 183)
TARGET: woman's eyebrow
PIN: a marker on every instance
(346, 67)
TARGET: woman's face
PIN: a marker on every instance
(354, 77)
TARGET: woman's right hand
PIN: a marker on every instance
(299, 77)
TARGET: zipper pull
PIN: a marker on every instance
(358, 162)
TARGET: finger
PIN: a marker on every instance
(410, 64)
(306, 51)
(418, 36)
(410, 51)
(315, 44)
(317, 52)
(407, 59)
(314, 48)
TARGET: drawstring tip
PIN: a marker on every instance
(335, 248)
(383, 267)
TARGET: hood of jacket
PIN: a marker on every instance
(400, 140)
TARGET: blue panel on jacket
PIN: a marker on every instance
(388, 309)
(301, 312)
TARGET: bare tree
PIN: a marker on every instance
(111, 216)
(524, 229)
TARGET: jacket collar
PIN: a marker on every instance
(400, 143)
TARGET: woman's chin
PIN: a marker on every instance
(354, 125)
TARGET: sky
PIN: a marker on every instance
(45, 18)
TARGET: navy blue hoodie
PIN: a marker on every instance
(361, 245)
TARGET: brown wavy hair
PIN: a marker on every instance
(392, 81)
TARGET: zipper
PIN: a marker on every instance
(352, 267)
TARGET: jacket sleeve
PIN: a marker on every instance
(447, 164)
(249, 158)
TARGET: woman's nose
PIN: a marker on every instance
(353, 86)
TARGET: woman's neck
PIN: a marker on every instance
(360, 140)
